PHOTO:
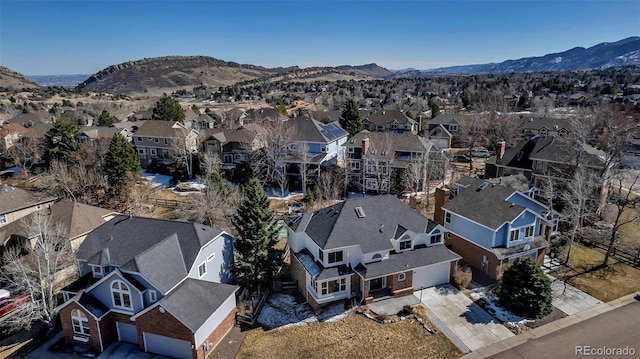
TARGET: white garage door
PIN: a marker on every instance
(166, 346)
(127, 333)
(432, 275)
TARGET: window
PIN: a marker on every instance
(447, 217)
(202, 269)
(152, 295)
(323, 149)
(156, 140)
(528, 232)
(80, 322)
(97, 271)
(139, 139)
(453, 128)
(153, 152)
(141, 151)
(211, 257)
(436, 238)
(351, 149)
(355, 165)
(335, 257)
(121, 295)
(401, 277)
(3, 218)
(377, 256)
(166, 141)
(405, 245)
(514, 235)
(333, 286)
(321, 255)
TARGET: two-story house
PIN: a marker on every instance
(441, 129)
(369, 249)
(537, 126)
(377, 161)
(233, 146)
(154, 283)
(390, 121)
(158, 141)
(491, 225)
(541, 158)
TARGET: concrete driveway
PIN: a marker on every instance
(570, 299)
(120, 350)
(467, 325)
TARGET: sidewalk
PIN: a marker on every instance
(551, 327)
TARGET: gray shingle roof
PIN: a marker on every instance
(13, 199)
(339, 225)
(487, 206)
(445, 119)
(405, 261)
(163, 129)
(385, 117)
(160, 250)
(193, 301)
(92, 304)
(309, 130)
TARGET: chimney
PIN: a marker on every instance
(419, 124)
(442, 198)
(365, 145)
(501, 147)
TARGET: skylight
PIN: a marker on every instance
(359, 212)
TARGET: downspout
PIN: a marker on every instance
(100, 337)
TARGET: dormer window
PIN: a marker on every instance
(97, 271)
(335, 257)
(152, 296)
(435, 239)
(404, 245)
(121, 295)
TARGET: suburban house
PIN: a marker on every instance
(491, 224)
(440, 136)
(261, 114)
(10, 133)
(377, 161)
(155, 283)
(158, 141)
(30, 119)
(233, 146)
(536, 126)
(540, 158)
(313, 145)
(390, 121)
(368, 249)
(450, 122)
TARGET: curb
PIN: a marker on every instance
(543, 330)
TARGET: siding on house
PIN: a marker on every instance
(103, 292)
(222, 251)
(481, 235)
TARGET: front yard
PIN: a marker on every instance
(605, 284)
(351, 337)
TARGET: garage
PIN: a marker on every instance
(166, 346)
(127, 333)
(429, 276)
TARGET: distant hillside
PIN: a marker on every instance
(59, 80)
(14, 80)
(372, 70)
(608, 54)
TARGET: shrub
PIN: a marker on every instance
(526, 290)
(407, 309)
(461, 277)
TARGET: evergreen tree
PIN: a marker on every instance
(62, 142)
(255, 256)
(282, 108)
(105, 119)
(168, 109)
(350, 118)
(120, 160)
(435, 110)
(526, 290)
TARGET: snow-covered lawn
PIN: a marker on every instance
(156, 179)
(494, 309)
(281, 310)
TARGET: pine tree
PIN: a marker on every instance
(168, 109)
(105, 119)
(62, 142)
(435, 110)
(256, 259)
(120, 160)
(526, 290)
(282, 108)
(350, 118)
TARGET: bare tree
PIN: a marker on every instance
(184, 146)
(138, 196)
(376, 163)
(38, 273)
(26, 152)
(331, 184)
(80, 181)
(268, 162)
(214, 206)
(472, 133)
(622, 186)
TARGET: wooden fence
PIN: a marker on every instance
(627, 257)
(168, 203)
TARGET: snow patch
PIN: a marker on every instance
(156, 179)
(494, 309)
(282, 311)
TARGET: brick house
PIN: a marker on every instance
(155, 283)
(369, 249)
(490, 224)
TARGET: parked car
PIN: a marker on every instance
(480, 152)
(461, 158)
(9, 305)
(5, 293)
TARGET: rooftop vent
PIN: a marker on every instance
(359, 212)
(482, 186)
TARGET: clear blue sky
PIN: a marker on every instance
(81, 37)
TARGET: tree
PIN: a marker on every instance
(37, 273)
(267, 162)
(256, 257)
(62, 142)
(120, 160)
(26, 152)
(435, 110)
(350, 118)
(105, 119)
(622, 188)
(282, 108)
(525, 289)
(168, 109)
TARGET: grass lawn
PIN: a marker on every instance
(605, 284)
(352, 337)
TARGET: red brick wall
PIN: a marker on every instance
(394, 285)
(472, 254)
(165, 324)
(442, 198)
(67, 327)
(218, 334)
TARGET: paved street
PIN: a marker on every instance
(617, 328)
(467, 325)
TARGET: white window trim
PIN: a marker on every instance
(81, 320)
(152, 295)
(121, 292)
(3, 218)
(447, 217)
(202, 273)
(402, 277)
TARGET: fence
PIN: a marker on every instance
(632, 259)
(168, 203)
(249, 306)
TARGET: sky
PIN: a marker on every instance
(83, 37)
